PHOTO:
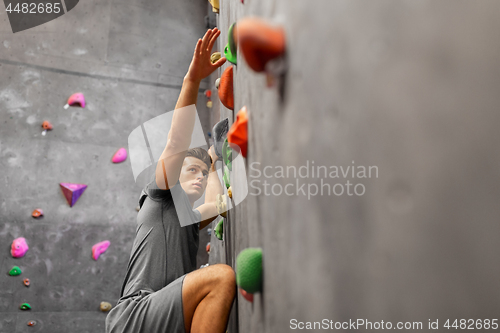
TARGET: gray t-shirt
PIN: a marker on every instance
(163, 250)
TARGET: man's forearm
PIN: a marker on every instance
(214, 186)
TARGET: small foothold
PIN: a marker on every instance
(230, 192)
(247, 296)
(220, 132)
(238, 132)
(44, 132)
(19, 247)
(208, 247)
(138, 208)
(208, 93)
(26, 282)
(25, 306)
(226, 94)
(37, 212)
(217, 83)
(259, 42)
(76, 100)
(105, 306)
(31, 323)
(99, 249)
(219, 229)
(221, 205)
(215, 57)
(14, 271)
(209, 104)
(119, 156)
(47, 125)
(209, 231)
(226, 177)
(249, 270)
(72, 192)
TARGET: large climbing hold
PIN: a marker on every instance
(219, 229)
(72, 192)
(238, 132)
(227, 154)
(119, 156)
(221, 204)
(226, 177)
(37, 212)
(249, 270)
(259, 42)
(230, 49)
(19, 247)
(25, 306)
(105, 306)
(14, 271)
(220, 132)
(226, 94)
(99, 249)
(76, 100)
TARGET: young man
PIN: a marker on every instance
(162, 292)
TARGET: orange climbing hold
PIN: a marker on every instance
(226, 95)
(238, 133)
(259, 42)
(37, 212)
(47, 125)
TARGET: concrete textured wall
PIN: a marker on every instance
(412, 88)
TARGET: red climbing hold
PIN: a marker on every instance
(76, 100)
(208, 248)
(208, 93)
(47, 125)
(31, 323)
(37, 212)
(246, 295)
(226, 95)
(238, 132)
(72, 192)
(259, 42)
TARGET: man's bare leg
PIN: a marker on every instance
(207, 297)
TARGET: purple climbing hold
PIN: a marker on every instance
(19, 247)
(72, 192)
(120, 156)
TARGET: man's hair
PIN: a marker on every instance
(201, 154)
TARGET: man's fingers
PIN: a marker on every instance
(197, 49)
(220, 62)
(206, 39)
(212, 40)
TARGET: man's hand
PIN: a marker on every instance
(201, 66)
(213, 155)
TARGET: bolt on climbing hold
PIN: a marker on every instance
(227, 154)
(37, 212)
(31, 323)
(76, 99)
(219, 229)
(72, 192)
(238, 132)
(47, 125)
(25, 306)
(19, 247)
(246, 295)
(215, 57)
(99, 249)
(208, 93)
(14, 271)
(209, 231)
(259, 42)
(119, 156)
(226, 177)
(138, 208)
(208, 247)
(27, 282)
(217, 83)
(105, 306)
(220, 132)
(221, 205)
(249, 270)
(226, 94)
(209, 104)
(215, 5)
(230, 192)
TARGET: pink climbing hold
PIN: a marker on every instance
(246, 295)
(76, 100)
(120, 156)
(72, 192)
(99, 249)
(19, 247)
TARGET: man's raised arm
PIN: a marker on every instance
(179, 138)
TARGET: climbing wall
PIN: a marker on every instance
(409, 88)
(128, 59)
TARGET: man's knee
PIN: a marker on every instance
(225, 276)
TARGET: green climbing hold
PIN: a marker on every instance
(219, 229)
(229, 55)
(227, 154)
(249, 270)
(25, 306)
(15, 271)
(230, 39)
(226, 177)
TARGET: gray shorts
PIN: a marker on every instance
(150, 312)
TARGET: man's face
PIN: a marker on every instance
(193, 177)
